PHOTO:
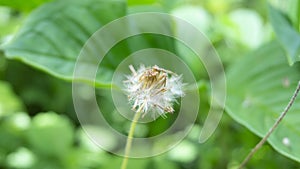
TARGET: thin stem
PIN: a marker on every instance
(129, 139)
(263, 140)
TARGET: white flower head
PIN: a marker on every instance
(153, 89)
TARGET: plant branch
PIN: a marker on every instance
(263, 140)
(129, 139)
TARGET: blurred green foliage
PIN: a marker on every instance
(38, 124)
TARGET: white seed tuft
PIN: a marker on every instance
(153, 89)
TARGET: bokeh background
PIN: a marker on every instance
(38, 125)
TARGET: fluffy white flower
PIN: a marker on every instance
(153, 89)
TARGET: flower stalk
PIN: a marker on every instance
(152, 89)
(129, 139)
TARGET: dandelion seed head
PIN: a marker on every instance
(153, 89)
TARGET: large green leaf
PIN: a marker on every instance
(259, 88)
(287, 35)
(54, 34)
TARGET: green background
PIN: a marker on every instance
(258, 42)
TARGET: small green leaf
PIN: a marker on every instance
(50, 134)
(287, 35)
(259, 88)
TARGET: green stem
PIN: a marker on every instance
(264, 139)
(129, 139)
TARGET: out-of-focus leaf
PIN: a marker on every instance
(291, 8)
(8, 22)
(196, 16)
(17, 122)
(218, 6)
(287, 35)
(249, 27)
(162, 162)
(185, 152)
(22, 158)
(9, 102)
(259, 88)
(50, 134)
(12, 128)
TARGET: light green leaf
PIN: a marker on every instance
(196, 16)
(22, 158)
(12, 127)
(287, 35)
(54, 34)
(259, 88)
(247, 27)
(185, 152)
(50, 134)
(9, 102)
